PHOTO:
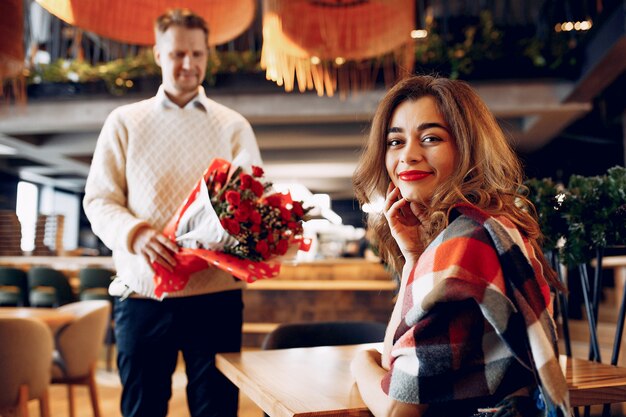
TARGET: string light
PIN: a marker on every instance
(569, 26)
(419, 33)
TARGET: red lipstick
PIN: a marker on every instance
(413, 175)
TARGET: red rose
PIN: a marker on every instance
(255, 228)
(245, 181)
(255, 217)
(293, 226)
(270, 238)
(257, 188)
(297, 209)
(241, 214)
(284, 214)
(282, 246)
(247, 204)
(231, 226)
(257, 171)
(263, 249)
(274, 200)
(233, 197)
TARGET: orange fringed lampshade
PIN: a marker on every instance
(330, 45)
(11, 46)
(132, 21)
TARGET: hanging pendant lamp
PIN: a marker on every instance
(331, 45)
(132, 21)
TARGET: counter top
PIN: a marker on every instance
(326, 269)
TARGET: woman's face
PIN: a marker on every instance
(421, 152)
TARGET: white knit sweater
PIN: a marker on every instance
(148, 157)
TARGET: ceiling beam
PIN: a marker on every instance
(314, 140)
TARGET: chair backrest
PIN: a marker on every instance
(94, 283)
(78, 344)
(329, 333)
(25, 357)
(17, 278)
(40, 276)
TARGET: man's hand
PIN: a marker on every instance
(155, 247)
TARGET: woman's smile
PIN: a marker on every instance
(413, 175)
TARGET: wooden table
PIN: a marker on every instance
(53, 317)
(317, 381)
(298, 382)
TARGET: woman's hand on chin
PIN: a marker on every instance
(404, 223)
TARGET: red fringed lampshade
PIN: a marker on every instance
(11, 45)
(132, 21)
(330, 45)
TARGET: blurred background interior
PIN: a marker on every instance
(308, 75)
(552, 71)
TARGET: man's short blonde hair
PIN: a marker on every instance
(180, 17)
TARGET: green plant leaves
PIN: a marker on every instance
(590, 213)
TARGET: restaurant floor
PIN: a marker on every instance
(109, 392)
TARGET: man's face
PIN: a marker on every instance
(182, 55)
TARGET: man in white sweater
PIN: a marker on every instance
(148, 157)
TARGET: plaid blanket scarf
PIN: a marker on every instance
(476, 319)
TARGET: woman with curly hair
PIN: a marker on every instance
(472, 331)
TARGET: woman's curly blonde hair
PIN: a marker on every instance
(488, 173)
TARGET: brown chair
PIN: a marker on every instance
(25, 355)
(94, 285)
(78, 346)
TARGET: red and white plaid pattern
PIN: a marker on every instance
(476, 319)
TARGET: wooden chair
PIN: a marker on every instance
(25, 356)
(77, 348)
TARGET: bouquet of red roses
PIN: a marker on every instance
(233, 221)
